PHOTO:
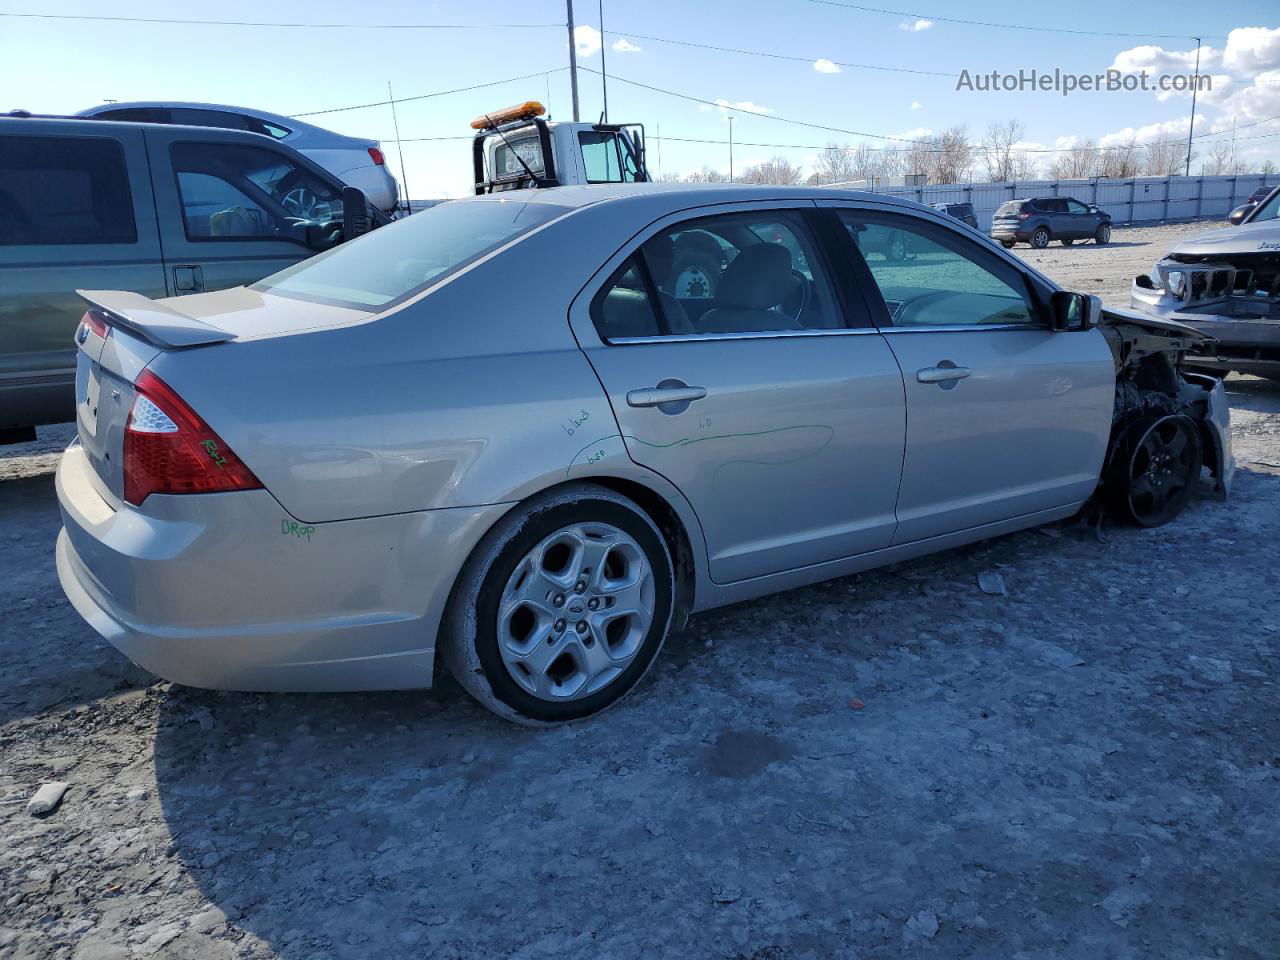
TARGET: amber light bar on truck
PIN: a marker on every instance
(521, 111)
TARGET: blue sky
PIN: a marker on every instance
(63, 66)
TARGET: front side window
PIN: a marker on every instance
(931, 278)
(1076, 207)
(731, 274)
(238, 192)
(64, 190)
(402, 259)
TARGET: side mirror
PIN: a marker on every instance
(1074, 311)
(1239, 213)
(1093, 208)
(355, 213)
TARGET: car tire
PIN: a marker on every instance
(1040, 239)
(896, 252)
(1155, 469)
(1007, 244)
(528, 631)
(1103, 234)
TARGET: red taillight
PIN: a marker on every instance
(376, 156)
(1024, 216)
(168, 448)
(93, 322)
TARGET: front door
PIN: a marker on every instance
(750, 390)
(232, 213)
(1005, 417)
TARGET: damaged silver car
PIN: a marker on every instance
(1225, 283)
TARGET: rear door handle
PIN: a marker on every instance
(666, 393)
(945, 373)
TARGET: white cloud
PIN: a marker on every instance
(623, 45)
(913, 134)
(1166, 130)
(746, 106)
(587, 39)
(915, 26)
(825, 66)
(916, 104)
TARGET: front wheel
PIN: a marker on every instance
(1156, 474)
(562, 608)
(1103, 234)
(1040, 239)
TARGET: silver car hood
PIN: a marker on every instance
(1247, 238)
(1113, 316)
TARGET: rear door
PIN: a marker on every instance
(1006, 418)
(75, 211)
(233, 210)
(757, 388)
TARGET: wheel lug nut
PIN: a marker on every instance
(580, 586)
(558, 600)
(558, 626)
(581, 626)
(593, 604)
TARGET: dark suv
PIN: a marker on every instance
(1041, 219)
(961, 211)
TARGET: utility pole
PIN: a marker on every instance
(404, 177)
(604, 78)
(1233, 145)
(731, 148)
(1195, 86)
(573, 63)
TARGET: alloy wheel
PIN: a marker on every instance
(575, 611)
(1162, 470)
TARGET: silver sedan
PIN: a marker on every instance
(532, 432)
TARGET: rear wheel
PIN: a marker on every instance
(1156, 473)
(1007, 244)
(1040, 239)
(1103, 234)
(562, 608)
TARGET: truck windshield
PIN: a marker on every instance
(404, 258)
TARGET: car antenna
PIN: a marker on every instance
(527, 169)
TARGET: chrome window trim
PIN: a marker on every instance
(964, 328)
(750, 335)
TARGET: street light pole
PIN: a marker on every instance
(573, 62)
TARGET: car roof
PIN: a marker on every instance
(96, 124)
(678, 196)
(292, 124)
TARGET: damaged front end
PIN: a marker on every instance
(1225, 283)
(1153, 387)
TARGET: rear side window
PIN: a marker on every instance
(63, 190)
(402, 259)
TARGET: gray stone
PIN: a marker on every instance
(923, 924)
(47, 798)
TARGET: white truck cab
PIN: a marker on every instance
(516, 148)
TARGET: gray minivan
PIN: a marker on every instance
(157, 209)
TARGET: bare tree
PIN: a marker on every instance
(706, 175)
(1164, 157)
(998, 149)
(835, 164)
(1219, 162)
(776, 170)
(1119, 160)
(1268, 168)
(1076, 163)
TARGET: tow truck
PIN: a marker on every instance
(517, 148)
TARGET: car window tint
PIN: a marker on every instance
(740, 273)
(404, 258)
(234, 191)
(209, 118)
(930, 278)
(623, 308)
(61, 190)
(136, 115)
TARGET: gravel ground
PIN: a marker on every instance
(891, 764)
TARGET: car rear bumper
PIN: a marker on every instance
(999, 232)
(227, 591)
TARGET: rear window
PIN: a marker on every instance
(61, 190)
(1009, 208)
(404, 258)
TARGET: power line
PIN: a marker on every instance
(1008, 26)
(316, 26)
(428, 96)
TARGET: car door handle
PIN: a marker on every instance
(656, 396)
(942, 374)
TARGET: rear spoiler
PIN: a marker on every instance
(154, 322)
